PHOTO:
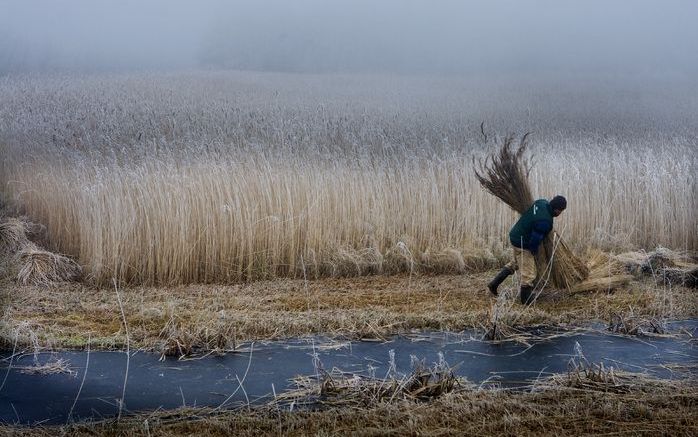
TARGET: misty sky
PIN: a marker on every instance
(410, 36)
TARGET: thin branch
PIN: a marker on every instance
(9, 367)
(128, 349)
(84, 376)
(249, 362)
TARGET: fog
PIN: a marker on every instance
(398, 36)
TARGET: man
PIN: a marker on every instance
(526, 236)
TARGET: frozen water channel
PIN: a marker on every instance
(263, 368)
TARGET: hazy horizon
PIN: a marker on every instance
(321, 36)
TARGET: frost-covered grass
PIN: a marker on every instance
(227, 176)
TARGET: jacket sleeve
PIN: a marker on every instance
(538, 233)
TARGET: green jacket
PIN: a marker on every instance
(533, 226)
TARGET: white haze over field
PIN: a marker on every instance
(318, 36)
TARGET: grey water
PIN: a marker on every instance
(259, 370)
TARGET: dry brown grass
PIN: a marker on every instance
(195, 318)
(584, 403)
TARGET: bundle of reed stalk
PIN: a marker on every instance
(32, 264)
(41, 267)
(664, 265)
(605, 272)
(12, 235)
(340, 388)
(505, 175)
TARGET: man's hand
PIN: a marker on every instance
(538, 233)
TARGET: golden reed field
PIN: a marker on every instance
(221, 177)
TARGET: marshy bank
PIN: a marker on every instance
(200, 318)
(317, 373)
(646, 407)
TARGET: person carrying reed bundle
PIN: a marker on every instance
(504, 174)
(526, 236)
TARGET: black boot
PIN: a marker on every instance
(501, 276)
(527, 294)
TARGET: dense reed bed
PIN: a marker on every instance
(222, 177)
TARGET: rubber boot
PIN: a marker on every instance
(501, 276)
(527, 294)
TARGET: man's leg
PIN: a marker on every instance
(527, 269)
(506, 271)
(501, 276)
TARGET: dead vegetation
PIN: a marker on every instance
(202, 318)
(583, 401)
(504, 317)
(50, 367)
(665, 266)
(180, 338)
(605, 273)
(41, 267)
(13, 235)
(335, 388)
(652, 304)
(586, 376)
(29, 263)
(633, 325)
